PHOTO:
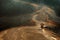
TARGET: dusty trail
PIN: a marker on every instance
(23, 33)
(27, 33)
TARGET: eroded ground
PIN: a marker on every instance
(22, 33)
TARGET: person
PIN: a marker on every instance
(42, 25)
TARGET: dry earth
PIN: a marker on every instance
(22, 33)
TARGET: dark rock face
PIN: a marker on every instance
(17, 12)
(14, 8)
(14, 13)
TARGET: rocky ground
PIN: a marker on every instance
(22, 33)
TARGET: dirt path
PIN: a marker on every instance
(22, 33)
